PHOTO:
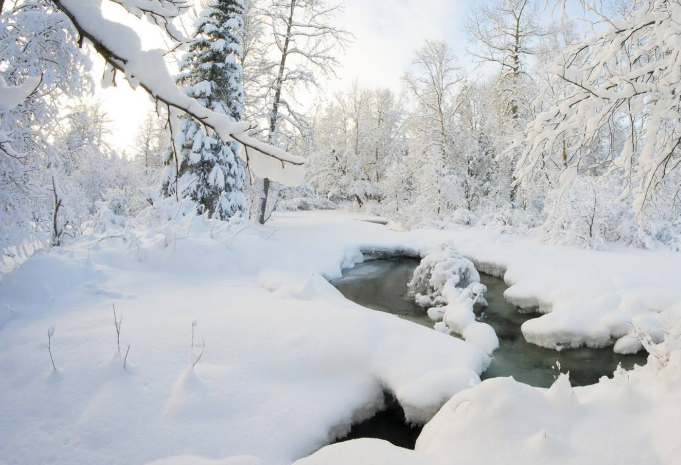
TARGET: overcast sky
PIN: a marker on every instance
(387, 32)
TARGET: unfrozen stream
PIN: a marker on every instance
(382, 285)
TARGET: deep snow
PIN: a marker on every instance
(289, 363)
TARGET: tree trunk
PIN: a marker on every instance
(275, 108)
(56, 230)
(263, 201)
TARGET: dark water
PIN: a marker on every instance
(389, 424)
(382, 285)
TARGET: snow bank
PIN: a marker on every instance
(282, 346)
(628, 419)
(585, 297)
(366, 451)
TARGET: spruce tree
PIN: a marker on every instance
(210, 171)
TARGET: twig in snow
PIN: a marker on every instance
(126, 356)
(50, 332)
(272, 234)
(203, 342)
(118, 322)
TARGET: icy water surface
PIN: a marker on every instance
(382, 285)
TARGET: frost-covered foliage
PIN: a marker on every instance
(588, 214)
(619, 108)
(41, 65)
(210, 171)
(357, 139)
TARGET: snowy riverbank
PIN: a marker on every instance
(288, 363)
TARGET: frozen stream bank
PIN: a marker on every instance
(382, 285)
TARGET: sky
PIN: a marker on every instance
(386, 34)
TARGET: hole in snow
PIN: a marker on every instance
(389, 424)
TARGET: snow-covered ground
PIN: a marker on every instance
(631, 419)
(289, 363)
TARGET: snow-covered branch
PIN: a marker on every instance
(121, 47)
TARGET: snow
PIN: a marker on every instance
(625, 420)
(282, 347)
(289, 364)
(13, 96)
(445, 277)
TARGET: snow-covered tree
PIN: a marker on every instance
(505, 34)
(622, 79)
(357, 137)
(39, 55)
(210, 172)
(121, 48)
(433, 81)
(151, 142)
(305, 48)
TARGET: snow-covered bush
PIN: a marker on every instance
(587, 214)
(508, 220)
(449, 284)
(114, 210)
(441, 268)
(302, 197)
(463, 216)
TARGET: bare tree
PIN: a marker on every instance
(305, 44)
(150, 141)
(504, 35)
(432, 80)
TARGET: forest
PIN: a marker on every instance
(476, 262)
(571, 138)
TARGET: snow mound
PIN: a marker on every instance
(441, 268)
(365, 451)
(446, 278)
(627, 419)
(282, 346)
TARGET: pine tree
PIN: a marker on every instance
(210, 172)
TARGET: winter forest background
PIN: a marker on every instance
(568, 131)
